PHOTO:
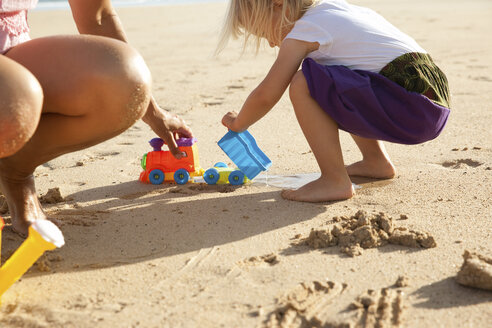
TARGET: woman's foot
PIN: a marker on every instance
(381, 169)
(20, 192)
(320, 190)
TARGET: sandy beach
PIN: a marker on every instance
(140, 255)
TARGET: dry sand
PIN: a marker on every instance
(185, 256)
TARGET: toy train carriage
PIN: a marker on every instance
(222, 174)
(161, 166)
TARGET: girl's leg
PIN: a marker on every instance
(21, 100)
(94, 88)
(321, 133)
(375, 161)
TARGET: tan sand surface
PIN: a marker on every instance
(140, 255)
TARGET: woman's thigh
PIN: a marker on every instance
(83, 73)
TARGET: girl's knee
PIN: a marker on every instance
(298, 87)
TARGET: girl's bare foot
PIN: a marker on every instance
(20, 192)
(382, 169)
(320, 190)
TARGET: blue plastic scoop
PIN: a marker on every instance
(243, 151)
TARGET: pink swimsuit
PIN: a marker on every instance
(13, 22)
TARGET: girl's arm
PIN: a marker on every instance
(98, 17)
(271, 89)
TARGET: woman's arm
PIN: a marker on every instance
(98, 17)
(271, 89)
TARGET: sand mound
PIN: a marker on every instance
(476, 271)
(363, 231)
(53, 196)
(270, 259)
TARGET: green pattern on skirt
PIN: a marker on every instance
(417, 72)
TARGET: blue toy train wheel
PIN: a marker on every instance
(156, 176)
(181, 176)
(220, 164)
(211, 176)
(236, 178)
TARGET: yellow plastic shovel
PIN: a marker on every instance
(43, 236)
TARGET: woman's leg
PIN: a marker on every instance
(94, 88)
(321, 133)
(21, 100)
(375, 161)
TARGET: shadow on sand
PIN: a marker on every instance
(133, 222)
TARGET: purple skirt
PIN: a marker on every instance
(372, 106)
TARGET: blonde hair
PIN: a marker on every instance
(252, 20)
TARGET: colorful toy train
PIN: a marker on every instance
(161, 166)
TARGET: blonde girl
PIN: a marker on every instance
(359, 74)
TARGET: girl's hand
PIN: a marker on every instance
(229, 121)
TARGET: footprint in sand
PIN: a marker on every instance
(213, 102)
(77, 217)
(481, 78)
(48, 262)
(477, 66)
(313, 305)
(108, 153)
(193, 72)
(26, 315)
(235, 87)
(307, 305)
(270, 259)
(49, 166)
(461, 163)
(80, 308)
(466, 148)
(379, 308)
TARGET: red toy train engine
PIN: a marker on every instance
(160, 166)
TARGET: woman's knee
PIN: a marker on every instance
(95, 77)
(298, 88)
(129, 84)
(20, 106)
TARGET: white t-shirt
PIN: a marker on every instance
(352, 36)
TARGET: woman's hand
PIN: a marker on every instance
(167, 126)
